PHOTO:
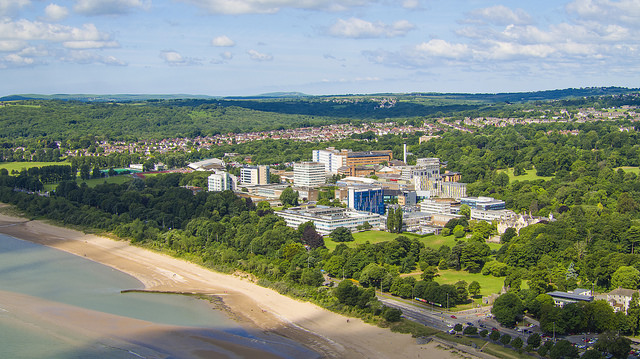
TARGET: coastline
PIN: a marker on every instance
(256, 308)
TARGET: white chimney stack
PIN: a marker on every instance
(405, 153)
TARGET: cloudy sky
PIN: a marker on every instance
(247, 47)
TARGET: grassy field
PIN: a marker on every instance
(530, 175)
(434, 241)
(19, 166)
(93, 182)
(635, 170)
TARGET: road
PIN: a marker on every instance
(442, 320)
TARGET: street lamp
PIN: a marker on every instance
(447, 301)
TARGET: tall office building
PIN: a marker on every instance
(254, 175)
(309, 174)
(331, 158)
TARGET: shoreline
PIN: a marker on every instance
(315, 328)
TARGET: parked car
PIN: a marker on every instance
(454, 317)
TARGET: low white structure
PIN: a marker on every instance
(208, 165)
(492, 215)
(326, 219)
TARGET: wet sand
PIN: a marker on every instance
(271, 313)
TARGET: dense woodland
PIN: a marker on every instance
(591, 241)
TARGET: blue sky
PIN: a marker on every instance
(247, 47)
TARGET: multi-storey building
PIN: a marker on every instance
(366, 198)
(331, 158)
(254, 175)
(220, 181)
(483, 203)
(334, 159)
(309, 174)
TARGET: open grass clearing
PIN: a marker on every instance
(530, 175)
(93, 181)
(635, 170)
(432, 241)
(19, 166)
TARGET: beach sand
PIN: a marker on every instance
(320, 330)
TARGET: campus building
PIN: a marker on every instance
(327, 219)
(366, 198)
(309, 174)
(333, 159)
(254, 175)
(220, 181)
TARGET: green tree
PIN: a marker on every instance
(372, 275)
(507, 309)
(614, 344)
(474, 288)
(505, 339)
(457, 327)
(563, 349)
(289, 197)
(517, 343)
(534, 340)
(341, 234)
(625, 277)
(392, 314)
(470, 330)
(592, 354)
(495, 335)
(312, 277)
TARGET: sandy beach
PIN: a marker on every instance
(322, 331)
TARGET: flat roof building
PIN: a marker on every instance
(309, 174)
(326, 219)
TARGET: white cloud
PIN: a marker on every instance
(236, 7)
(12, 45)
(86, 57)
(357, 28)
(174, 58)
(109, 7)
(411, 4)
(56, 12)
(222, 41)
(35, 30)
(258, 56)
(226, 55)
(89, 44)
(10, 6)
(500, 15)
(607, 11)
(443, 49)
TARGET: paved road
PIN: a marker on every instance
(442, 320)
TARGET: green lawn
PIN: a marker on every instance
(488, 283)
(635, 170)
(530, 175)
(434, 241)
(19, 166)
(93, 182)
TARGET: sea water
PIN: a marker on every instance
(57, 276)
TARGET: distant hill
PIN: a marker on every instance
(513, 97)
(104, 98)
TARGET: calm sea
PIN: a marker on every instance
(46, 273)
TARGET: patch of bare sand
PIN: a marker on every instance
(323, 331)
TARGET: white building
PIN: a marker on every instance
(309, 174)
(254, 175)
(220, 181)
(442, 207)
(492, 215)
(326, 219)
(331, 158)
(208, 165)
